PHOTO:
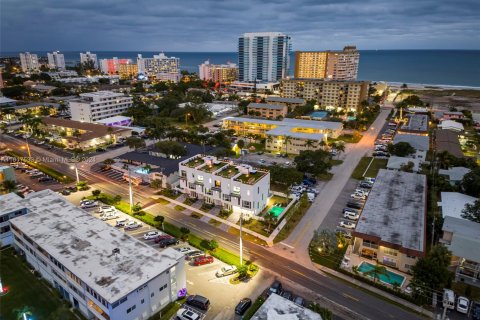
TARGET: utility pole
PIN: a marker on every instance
(241, 243)
(130, 190)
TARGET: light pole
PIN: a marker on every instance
(28, 148)
(241, 242)
(74, 167)
(130, 190)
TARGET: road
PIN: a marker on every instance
(278, 260)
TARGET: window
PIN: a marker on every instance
(247, 204)
(390, 252)
(142, 301)
(152, 294)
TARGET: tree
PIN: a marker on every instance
(407, 167)
(325, 241)
(8, 186)
(286, 140)
(241, 144)
(270, 219)
(172, 149)
(135, 143)
(401, 149)
(339, 147)
(159, 220)
(136, 208)
(472, 211)
(377, 271)
(82, 186)
(212, 245)
(108, 162)
(62, 108)
(431, 272)
(471, 182)
(285, 176)
(185, 232)
(96, 193)
(314, 162)
(117, 199)
(242, 271)
(309, 143)
(156, 183)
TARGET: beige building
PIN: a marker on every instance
(391, 228)
(291, 103)
(328, 93)
(218, 72)
(82, 135)
(335, 65)
(266, 110)
(287, 140)
(127, 70)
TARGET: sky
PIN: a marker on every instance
(215, 25)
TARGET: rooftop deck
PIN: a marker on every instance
(213, 167)
(228, 172)
(251, 178)
(195, 162)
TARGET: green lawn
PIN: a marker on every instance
(331, 261)
(350, 138)
(169, 311)
(372, 171)
(179, 208)
(27, 291)
(336, 162)
(293, 216)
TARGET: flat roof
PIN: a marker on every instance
(36, 104)
(454, 173)
(265, 106)
(9, 202)
(84, 245)
(101, 94)
(287, 131)
(417, 122)
(395, 162)
(395, 210)
(5, 100)
(451, 125)
(291, 122)
(285, 100)
(93, 130)
(114, 119)
(446, 140)
(466, 237)
(279, 308)
(418, 142)
(453, 203)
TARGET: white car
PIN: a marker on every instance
(109, 211)
(109, 216)
(151, 235)
(226, 271)
(357, 196)
(183, 249)
(104, 208)
(346, 262)
(347, 224)
(351, 215)
(132, 225)
(462, 305)
(187, 314)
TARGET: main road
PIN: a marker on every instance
(292, 266)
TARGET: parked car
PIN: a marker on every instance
(89, 204)
(151, 235)
(109, 216)
(351, 210)
(347, 224)
(462, 304)
(100, 150)
(200, 261)
(354, 204)
(187, 314)
(299, 301)
(408, 289)
(476, 311)
(351, 215)
(198, 301)
(105, 208)
(194, 254)
(132, 225)
(226, 271)
(162, 237)
(45, 179)
(243, 306)
(168, 242)
(183, 249)
(357, 196)
(345, 262)
(276, 287)
(287, 295)
(121, 223)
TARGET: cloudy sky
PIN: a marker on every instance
(214, 25)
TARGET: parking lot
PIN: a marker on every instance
(202, 279)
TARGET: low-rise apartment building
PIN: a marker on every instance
(391, 228)
(237, 187)
(266, 110)
(94, 106)
(82, 135)
(291, 103)
(9, 209)
(335, 94)
(103, 272)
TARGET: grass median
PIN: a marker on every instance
(60, 177)
(361, 169)
(293, 216)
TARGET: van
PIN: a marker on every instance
(448, 299)
(198, 301)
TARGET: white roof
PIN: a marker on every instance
(9, 202)
(396, 163)
(279, 308)
(454, 173)
(101, 94)
(287, 131)
(291, 122)
(114, 119)
(84, 244)
(466, 238)
(453, 203)
(451, 125)
(416, 141)
(4, 100)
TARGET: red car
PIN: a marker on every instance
(200, 261)
(162, 237)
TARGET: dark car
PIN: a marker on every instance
(65, 192)
(366, 185)
(354, 204)
(45, 179)
(276, 287)
(198, 301)
(476, 311)
(72, 189)
(287, 295)
(162, 238)
(168, 242)
(243, 306)
(100, 150)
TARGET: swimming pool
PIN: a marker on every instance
(318, 114)
(390, 279)
(276, 211)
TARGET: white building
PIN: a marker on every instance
(9, 209)
(56, 60)
(277, 307)
(29, 62)
(62, 74)
(218, 72)
(237, 187)
(455, 174)
(100, 270)
(451, 125)
(453, 203)
(263, 56)
(159, 65)
(94, 106)
(88, 56)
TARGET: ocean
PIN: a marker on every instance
(436, 67)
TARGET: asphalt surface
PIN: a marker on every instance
(280, 260)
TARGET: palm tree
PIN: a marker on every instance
(270, 219)
(340, 147)
(9, 186)
(376, 272)
(323, 144)
(62, 108)
(309, 143)
(286, 140)
(147, 168)
(108, 162)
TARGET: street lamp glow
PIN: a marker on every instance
(76, 172)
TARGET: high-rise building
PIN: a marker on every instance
(94, 106)
(56, 60)
(29, 62)
(111, 66)
(88, 56)
(263, 56)
(328, 93)
(335, 65)
(218, 72)
(127, 70)
(160, 66)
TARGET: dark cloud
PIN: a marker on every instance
(213, 25)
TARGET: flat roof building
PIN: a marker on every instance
(94, 106)
(420, 143)
(391, 228)
(289, 102)
(453, 203)
(417, 123)
(451, 125)
(455, 174)
(266, 110)
(9, 208)
(102, 271)
(446, 140)
(279, 308)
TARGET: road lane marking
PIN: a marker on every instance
(287, 245)
(350, 297)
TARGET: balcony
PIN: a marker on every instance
(228, 172)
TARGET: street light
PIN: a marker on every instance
(74, 167)
(241, 242)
